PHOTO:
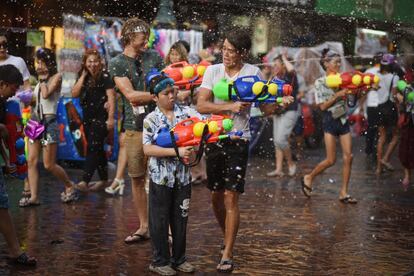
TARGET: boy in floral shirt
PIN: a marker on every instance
(169, 188)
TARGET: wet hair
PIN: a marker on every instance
(48, 57)
(10, 74)
(179, 47)
(240, 39)
(326, 56)
(132, 26)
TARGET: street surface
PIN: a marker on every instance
(281, 232)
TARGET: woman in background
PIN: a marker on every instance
(95, 89)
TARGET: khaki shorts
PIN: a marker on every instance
(137, 161)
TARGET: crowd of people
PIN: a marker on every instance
(151, 104)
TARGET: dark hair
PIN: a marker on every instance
(156, 80)
(5, 34)
(185, 44)
(10, 74)
(386, 68)
(132, 26)
(48, 57)
(326, 56)
(240, 39)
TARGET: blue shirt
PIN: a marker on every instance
(168, 171)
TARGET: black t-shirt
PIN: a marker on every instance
(2, 111)
(93, 97)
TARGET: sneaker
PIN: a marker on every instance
(275, 173)
(292, 170)
(163, 270)
(186, 267)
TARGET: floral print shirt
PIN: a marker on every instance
(168, 171)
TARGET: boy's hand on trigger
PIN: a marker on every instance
(185, 152)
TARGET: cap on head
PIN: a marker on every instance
(387, 59)
(158, 82)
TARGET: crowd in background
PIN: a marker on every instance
(387, 112)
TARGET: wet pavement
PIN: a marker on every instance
(281, 232)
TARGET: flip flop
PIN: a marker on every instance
(228, 262)
(348, 200)
(136, 238)
(24, 260)
(25, 202)
(26, 193)
(307, 191)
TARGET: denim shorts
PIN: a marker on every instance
(4, 199)
(334, 126)
(51, 135)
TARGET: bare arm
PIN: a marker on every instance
(133, 96)
(26, 85)
(157, 151)
(111, 107)
(53, 85)
(331, 101)
(77, 88)
(288, 64)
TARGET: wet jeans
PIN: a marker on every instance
(168, 206)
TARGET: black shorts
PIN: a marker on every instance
(334, 126)
(385, 115)
(226, 165)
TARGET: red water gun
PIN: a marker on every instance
(356, 82)
(186, 76)
(196, 132)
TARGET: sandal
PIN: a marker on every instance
(222, 263)
(26, 202)
(348, 200)
(136, 238)
(26, 193)
(69, 197)
(307, 191)
(25, 260)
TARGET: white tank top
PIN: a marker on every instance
(49, 105)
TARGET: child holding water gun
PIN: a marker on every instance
(169, 187)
